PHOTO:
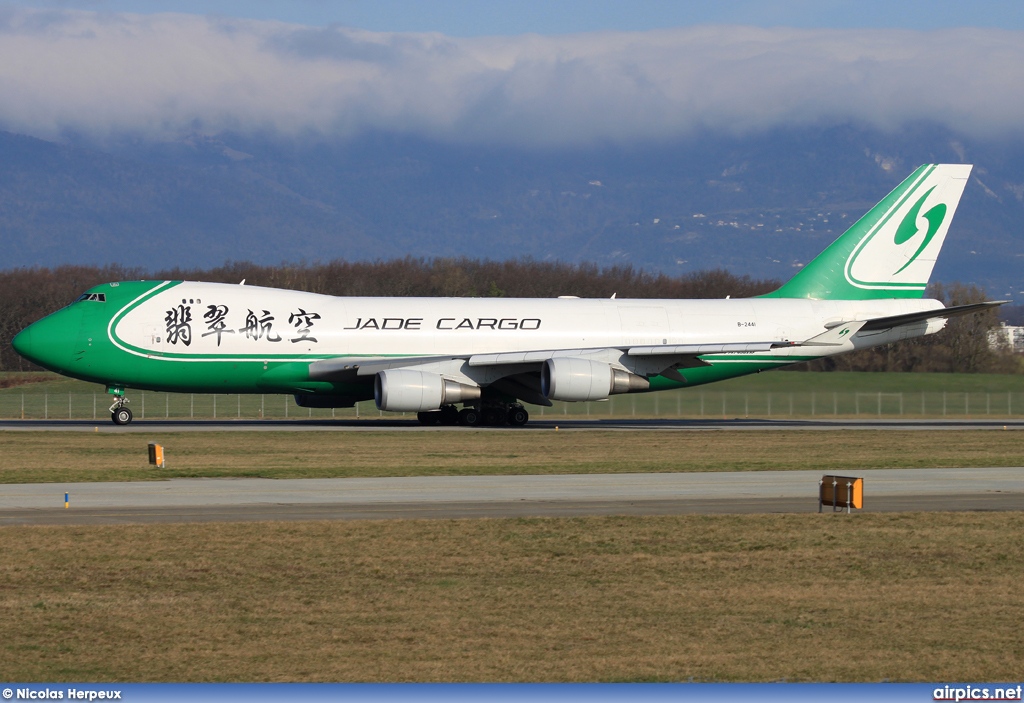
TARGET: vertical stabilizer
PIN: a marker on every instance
(890, 251)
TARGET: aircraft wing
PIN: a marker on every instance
(662, 355)
(650, 360)
(698, 349)
(529, 357)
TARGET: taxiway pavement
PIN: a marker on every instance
(199, 500)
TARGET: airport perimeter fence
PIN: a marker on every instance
(667, 404)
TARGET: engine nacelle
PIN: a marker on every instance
(572, 378)
(409, 390)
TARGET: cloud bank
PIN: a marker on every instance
(162, 76)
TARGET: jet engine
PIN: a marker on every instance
(409, 390)
(573, 378)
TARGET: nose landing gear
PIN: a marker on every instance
(119, 412)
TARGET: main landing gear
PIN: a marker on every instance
(119, 411)
(447, 415)
(512, 414)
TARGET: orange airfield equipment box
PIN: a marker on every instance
(841, 492)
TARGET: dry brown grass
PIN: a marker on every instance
(53, 456)
(913, 597)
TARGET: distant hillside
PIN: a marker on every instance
(759, 205)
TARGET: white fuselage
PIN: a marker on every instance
(235, 321)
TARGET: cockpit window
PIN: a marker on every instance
(96, 297)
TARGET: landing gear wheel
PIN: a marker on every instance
(469, 417)
(429, 417)
(449, 415)
(121, 416)
(492, 417)
(517, 416)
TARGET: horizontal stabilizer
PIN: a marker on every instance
(842, 331)
(882, 323)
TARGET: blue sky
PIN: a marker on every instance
(466, 18)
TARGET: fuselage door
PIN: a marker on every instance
(644, 324)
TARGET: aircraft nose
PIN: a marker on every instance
(50, 342)
(22, 342)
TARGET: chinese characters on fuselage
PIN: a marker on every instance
(260, 327)
(215, 323)
(178, 323)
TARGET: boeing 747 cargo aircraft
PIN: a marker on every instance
(488, 355)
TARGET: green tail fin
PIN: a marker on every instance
(890, 251)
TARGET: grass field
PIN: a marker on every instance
(76, 456)
(910, 597)
(902, 597)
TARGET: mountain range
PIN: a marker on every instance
(759, 204)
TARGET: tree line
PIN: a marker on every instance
(28, 294)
